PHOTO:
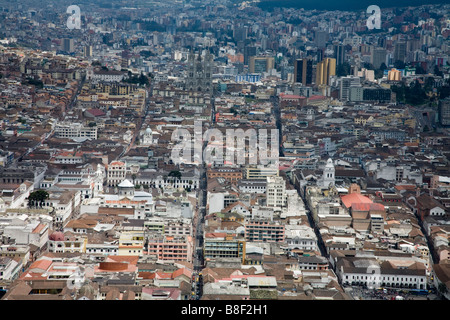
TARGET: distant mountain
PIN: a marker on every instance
(347, 5)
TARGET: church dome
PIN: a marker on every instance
(125, 184)
(57, 236)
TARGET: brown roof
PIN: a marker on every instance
(442, 271)
(81, 224)
(115, 211)
(425, 201)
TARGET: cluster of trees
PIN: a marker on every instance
(30, 81)
(150, 25)
(417, 93)
(141, 79)
(413, 94)
(146, 53)
(37, 198)
(343, 69)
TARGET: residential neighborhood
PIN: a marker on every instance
(223, 150)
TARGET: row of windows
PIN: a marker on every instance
(263, 226)
(397, 279)
(101, 250)
(300, 242)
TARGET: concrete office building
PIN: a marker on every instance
(303, 71)
(324, 70)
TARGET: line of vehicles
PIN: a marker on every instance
(197, 283)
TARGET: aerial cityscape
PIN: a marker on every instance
(215, 150)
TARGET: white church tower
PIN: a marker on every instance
(328, 177)
(98, 180)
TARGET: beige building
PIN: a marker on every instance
(325, 69)
(394, 75)
(261, 64)
(117, 172)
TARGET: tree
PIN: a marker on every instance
(143, 80)
(444, 91)
(37, 198)
(429, 84)
(30, 81)
(437, 71)
(420, 70)
(416, 94)
(343, 69)
(368, 66)
(399, 64)
(176, 174)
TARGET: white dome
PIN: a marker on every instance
(125, 184)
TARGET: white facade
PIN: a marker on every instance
(276, 192)
(102, 249)
(104, 75)
(373, 274)
(17, 199)
(75, 130)
(9, 269)
(188, 180)
(252, 186)
(31, 233)
(392, 172)
(219, 200)
(301, 237)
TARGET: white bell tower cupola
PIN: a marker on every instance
(329, 174)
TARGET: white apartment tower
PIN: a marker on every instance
(276, 192)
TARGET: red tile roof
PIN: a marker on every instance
(367, 207)
(349, 199)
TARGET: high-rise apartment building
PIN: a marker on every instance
(378, 57)
(345, 84)
(400, 51)
(325, 69)
(339, 53)
(240, 33)
(320, 38)
(249, 51)
(276, 192)
(261, 64)
(68, 45)
(303, 71)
